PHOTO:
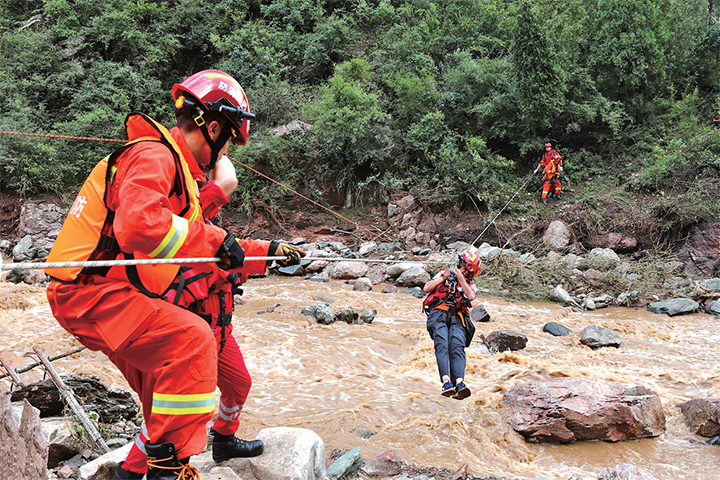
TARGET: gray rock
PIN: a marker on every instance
(713, 308)
(347, 315)
(24, 250)
(388, 247)
(413, 277)
(390, 289)
(367, 316)
(595, 336)
(560, 295)
(320, 312)
(346, 465)
(712, 284)
(674, 306)
(398, 269)
(364, 433)
(367, 248)
(479, 314)
(557, 236)
(363, 284)
(292, 270)
(556, 329)
(603, 255)
(414, 291)
(624, 471)
(503, 340)
(460, 246)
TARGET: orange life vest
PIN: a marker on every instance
(87, 232)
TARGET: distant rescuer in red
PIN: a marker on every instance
(142, 201)
(551, 164)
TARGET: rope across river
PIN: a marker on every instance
(154, 261)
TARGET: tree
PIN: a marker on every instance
(539, 79)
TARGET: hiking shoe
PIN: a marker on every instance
(461, 391)
(448, 390)
(122, 474)
(225, 447)
(558, 197)
(544, 202)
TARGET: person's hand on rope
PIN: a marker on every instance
(231, 253)
(293, 254)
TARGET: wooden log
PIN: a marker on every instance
(10, 371)
(73, 404)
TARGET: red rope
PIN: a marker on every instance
(321, 206)
(236, 161)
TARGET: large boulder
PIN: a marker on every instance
(674, 306)
(414, 277)
(565, 410)
(290, 454)
(557, 236)
(348, 270)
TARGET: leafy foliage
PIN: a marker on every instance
(451, 99)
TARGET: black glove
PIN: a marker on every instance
(230, 252)
(278, 249)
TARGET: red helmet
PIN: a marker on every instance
(218, 92)
(471, 261)
(548, 145)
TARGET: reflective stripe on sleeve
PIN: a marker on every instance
(183, 404)
(173, 240)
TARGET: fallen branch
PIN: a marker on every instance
(52, 359)
(11, 372)
(69, 398)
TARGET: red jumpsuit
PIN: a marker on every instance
(234, 379)
(551, 163)
(166, 353)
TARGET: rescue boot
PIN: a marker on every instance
(122, 474)
(163, 463)
(225, 447)
(544, 202)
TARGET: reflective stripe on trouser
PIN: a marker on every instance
(234, 382)
(136, 460)
(168, 355)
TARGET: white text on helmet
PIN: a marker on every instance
(235, 93)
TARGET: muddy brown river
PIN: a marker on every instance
(335, 379)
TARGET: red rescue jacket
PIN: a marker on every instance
(140, 202)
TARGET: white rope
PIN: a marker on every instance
(153, 261)
(501, 210)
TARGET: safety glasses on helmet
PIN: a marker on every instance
(469, 266)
